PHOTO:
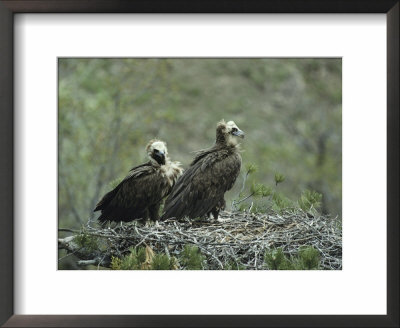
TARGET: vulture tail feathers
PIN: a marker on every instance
(106, 200)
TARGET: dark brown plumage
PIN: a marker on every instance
(200, 190)
(140, 194)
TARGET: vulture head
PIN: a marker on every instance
(157, 151)
(228, 133)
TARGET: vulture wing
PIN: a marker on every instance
(141, 188)
(203, 184)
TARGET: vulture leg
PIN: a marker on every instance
(220, 206)
(215, 212)
(154, 212)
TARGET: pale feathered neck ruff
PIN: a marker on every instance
(170, 170)
(224, 138)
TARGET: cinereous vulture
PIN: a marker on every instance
(141, 192)
(200, 190)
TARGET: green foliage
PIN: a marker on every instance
(89, 242)
(308, 258)
(310, 200)
(243, 207)
(250, 168)
(275, 259)
(162, 262)
(143, 258)
(260, 190)
(232, 265)
(280, 202)
(139, 253)
(133, 261)
(279, 178)
(116, 263)
(191, 258)
(274, 200)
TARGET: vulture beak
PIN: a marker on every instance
(159, 156)
(238, 133)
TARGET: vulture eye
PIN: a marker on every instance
(234, 130)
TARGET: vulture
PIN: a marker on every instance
(141, 192)
(200, 190)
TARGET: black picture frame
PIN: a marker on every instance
(10, 7)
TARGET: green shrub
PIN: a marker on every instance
(143, 258)
(275, 259)
(135, 260)
(260, 190)
(161, 262)
(279, 178)
(308, 258)
(310, 200)
(89, 242)
(232, 265)
(280, 202)
(191, 258)
(250, 168)
(115, 263)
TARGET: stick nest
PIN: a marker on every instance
(236, 237)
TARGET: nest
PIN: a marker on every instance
(236, 237)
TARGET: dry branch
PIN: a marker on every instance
(238, 237)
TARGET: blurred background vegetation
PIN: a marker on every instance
(290, 110)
